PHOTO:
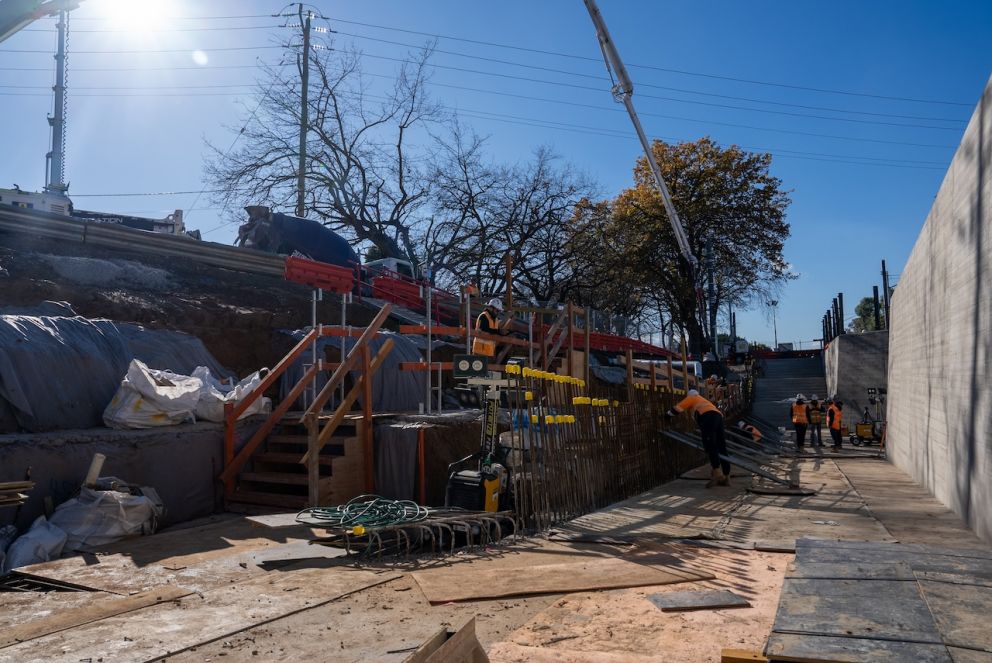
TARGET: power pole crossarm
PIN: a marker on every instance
(623, 91)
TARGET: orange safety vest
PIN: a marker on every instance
(838, 415)
(815, 415)
(697, 404)
(493, 324)
(799, 414)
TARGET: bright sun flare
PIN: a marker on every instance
(135, 15)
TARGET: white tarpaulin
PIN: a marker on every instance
(99, 517)
(148, 398)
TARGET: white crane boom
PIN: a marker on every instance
(623, 91)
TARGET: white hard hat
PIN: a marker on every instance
(693, 392)
(741, 424)
(800, 397)
(814, 397)
(496, 304)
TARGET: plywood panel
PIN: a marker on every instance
(466, 584)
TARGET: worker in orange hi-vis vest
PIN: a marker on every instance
(800, 419)
(710, 421)
(748, 428)
(835, 416)
(815, 421)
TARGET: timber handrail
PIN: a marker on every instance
(347, 365)
(345, 406)
(233, 412)
(232, 468)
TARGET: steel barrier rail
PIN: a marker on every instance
(51, 226)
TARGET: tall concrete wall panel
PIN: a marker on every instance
(940, 353)
(855, 362)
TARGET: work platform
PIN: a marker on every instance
(222, 589)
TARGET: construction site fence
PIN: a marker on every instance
(571, 454)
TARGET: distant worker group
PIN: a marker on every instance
(809, 416)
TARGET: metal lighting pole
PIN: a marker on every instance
(56, 158)
(774, 304)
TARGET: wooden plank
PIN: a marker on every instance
(778, 546)
(876, 609)
(199, 619)
(97, 610)
(741, 656)
(961, 612)
(462, 646)
(850, 571)
(824, 649)
(709, 599)
(463, 583)
(274, 520)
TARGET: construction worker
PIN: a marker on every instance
(815, 420)
(748, 428)
(710, 421)
(835, 416)
(800, 419)
(488, 320)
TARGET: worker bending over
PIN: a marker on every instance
(710, 422)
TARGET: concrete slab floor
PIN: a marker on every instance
(856, 499)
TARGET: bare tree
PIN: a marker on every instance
(364, 175)
(484, 212)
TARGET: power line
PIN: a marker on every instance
(143, 51)
(676, 117)
(155, 31)
(140, 194)
(188, 18)
(640, 84)
(656, 68)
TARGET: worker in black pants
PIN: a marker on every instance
(800, 419)
(835, 418)
(710, 421)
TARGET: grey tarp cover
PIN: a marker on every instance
(59, 373)
(396, 460)
(393, 390)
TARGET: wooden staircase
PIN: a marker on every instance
(310, 458)
(276, 477)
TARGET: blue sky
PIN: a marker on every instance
(861, 187)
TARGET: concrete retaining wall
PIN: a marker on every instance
(940, 366)
(855, 362)
(180, 462)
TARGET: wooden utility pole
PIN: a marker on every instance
(304, 114)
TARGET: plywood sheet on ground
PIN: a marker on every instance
(169, 628)
(679, 509)
(961, 613)
(509, 652)
(195, 557)
(95, 610)
(624, 625)
(907, 509)
(826, 649)
(709, 599)
(852, 601)
(889, 609)
(463, 584)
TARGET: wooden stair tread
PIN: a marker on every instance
(275, 477)
(269, 499)
(287, 458)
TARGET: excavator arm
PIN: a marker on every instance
(15, 15)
